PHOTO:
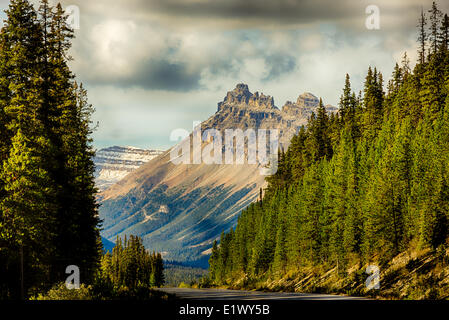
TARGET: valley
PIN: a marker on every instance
(180, 210)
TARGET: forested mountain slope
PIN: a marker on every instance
(368, 187)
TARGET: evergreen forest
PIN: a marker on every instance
(358, 188)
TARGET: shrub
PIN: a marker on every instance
(60, 292)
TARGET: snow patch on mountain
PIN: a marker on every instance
(114, 163)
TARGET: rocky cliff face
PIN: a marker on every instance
(181, 209)
(114, 163)
(242, 109)
(242, 97)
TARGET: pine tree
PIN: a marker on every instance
(373, 102)
(70, 163)
(26, 186)
(44, 122)
(319, 130)
(26, 207)
(213, 263)
(435, 17)
(444, 33)
(422, 39)
(159, 271)
(405, 67)
(280, 250)
(345, 100)
(293, 230)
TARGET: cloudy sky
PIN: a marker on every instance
(151, 66)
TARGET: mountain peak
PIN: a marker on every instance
(242, 97)
(304, 106)
(261, 101)
(308, 99)
(241, 87)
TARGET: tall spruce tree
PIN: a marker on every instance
(25, 202)
(46, 153)
(435, 22)
(444, 33)
(422, 38)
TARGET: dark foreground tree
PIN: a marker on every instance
(48, 212)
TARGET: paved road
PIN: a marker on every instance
(219, 294)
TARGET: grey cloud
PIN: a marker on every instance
(223, 67)
(256, 12)
(262, 12)
(281, 10)
(279, 64)
(163, 75)
(398, 16)
(159, 74)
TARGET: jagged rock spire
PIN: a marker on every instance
(242, 97)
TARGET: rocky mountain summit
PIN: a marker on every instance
(242, 109)
(181, 209)
(242, 97)
(114, 163)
